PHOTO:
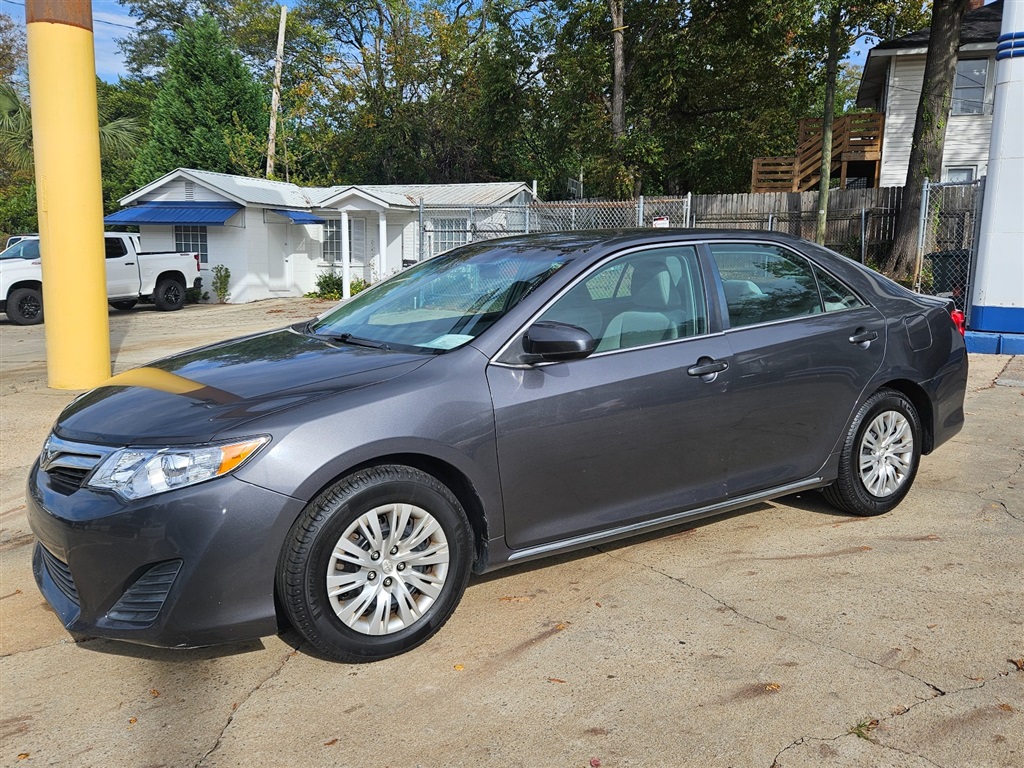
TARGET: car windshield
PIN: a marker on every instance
(23, 249)
(442, 303)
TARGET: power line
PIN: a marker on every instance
(95, 20)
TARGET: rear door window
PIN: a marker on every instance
(765, 283)
(834, 294)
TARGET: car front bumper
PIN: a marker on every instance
(185, 568)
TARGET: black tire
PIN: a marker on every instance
(880, 456)
(339, 625)
(169, 295)
(124, 304)
(25, 306)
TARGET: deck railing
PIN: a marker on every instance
(855, 138)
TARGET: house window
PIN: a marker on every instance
(969, 87)
(192, 238)
(962, 175)
(356, 242)
(332, 240)
(450, 233)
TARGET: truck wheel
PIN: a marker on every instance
(25, 306)
(169, 295)
(124, 304)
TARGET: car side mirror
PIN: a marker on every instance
(549, 342)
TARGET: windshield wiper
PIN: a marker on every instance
(348, 338)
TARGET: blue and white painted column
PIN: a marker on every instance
(997, 298)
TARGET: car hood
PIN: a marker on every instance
(193, 396)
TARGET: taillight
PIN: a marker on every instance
(199, 266)
(959, 320)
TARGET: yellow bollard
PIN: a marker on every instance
(69, 195)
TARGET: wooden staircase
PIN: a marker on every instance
(856, 139)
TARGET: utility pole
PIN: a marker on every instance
(276, 98)
(69, 195)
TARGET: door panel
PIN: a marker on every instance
(627, 434)
(797, 376)
(794, 387)
(610, 440)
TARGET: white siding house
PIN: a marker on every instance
(891, 83)
(276, 238)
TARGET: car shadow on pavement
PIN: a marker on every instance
(812, 501)
(173, 655)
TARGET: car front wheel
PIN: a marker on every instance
(880, 456)
(376, 564)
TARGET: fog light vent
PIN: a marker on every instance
(141, 604)
(60, 573)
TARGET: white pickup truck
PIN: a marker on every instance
(131, 276)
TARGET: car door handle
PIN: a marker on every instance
(129, 263)
(862, 336)
(707, 367)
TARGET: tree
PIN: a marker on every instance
(249, 24)
(13, 53)
(844, 25)
(929, 132)
(206, 96)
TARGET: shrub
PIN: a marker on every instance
(331, 285)
(221, 278)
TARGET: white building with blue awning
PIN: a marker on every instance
(276, 238)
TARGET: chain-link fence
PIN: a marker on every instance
(950, 217)
(442, 228)
(860, 224)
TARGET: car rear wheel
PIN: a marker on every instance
(25, 306)
(880, 456)
(376, 564)
(169, 295)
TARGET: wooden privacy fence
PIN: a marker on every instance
(860, 222)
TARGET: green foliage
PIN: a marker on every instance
(331, 285)
(221, 280)
(17, 209)
(206, 95)
(195, 295)
(430, 91)
(120, 132)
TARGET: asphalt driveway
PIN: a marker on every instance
(787, 636)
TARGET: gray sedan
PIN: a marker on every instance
(501, 402)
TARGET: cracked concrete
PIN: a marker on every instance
(755, 639)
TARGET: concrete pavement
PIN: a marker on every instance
(785, 636)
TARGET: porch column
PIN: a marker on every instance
(382, 243)
(346, 258)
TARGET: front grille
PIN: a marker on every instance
(67, 479)
(60, 574)
(141, 603)
(68, 464)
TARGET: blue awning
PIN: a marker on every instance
(299, 217)
(174, 213)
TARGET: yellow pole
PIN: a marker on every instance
(69, 195)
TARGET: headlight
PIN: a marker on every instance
(137, 472)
